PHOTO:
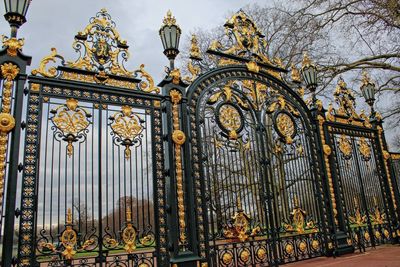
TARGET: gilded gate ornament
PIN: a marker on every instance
(364, 148)
(129, 233)
(127, 127)
(286, 127)
(230, 119)
(345, 147)
(9, 72)
(69, 238)
(71, 123)
(13, 45)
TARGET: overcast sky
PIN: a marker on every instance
(54, 23)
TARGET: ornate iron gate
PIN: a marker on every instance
(254, 160)
(93, 184)
(358, 170)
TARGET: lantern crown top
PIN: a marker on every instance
(169, 20)
(366, 79)
(306, 61)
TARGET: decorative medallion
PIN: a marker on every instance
(261, 253)
(245, 255)
(315, 244)
(289, 249)
(285, 126)
(386, 233)
(230, 119)
(345, 146)
(367, 236)
(302, 246)
(227, 258)
(71, 122)
(127, 127)
(364, 148)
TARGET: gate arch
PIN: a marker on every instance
(241, 141)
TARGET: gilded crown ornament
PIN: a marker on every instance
(169, 20)
(13, 45)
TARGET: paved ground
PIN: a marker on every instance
(382, 256)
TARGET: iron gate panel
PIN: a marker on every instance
(362, 185)
(245, 152)
(94, 162)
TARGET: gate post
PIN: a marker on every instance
(336, 243)
(182, 236)
(391, 188)
(13, 73)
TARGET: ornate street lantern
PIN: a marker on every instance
(170, 34)
(368, 91)
(309, 73)
(15, 13)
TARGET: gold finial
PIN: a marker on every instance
(194, 48)
(306, 60)
(128, 214)
(103, 10)
(295, 74)
(169, 20)
(69, 216)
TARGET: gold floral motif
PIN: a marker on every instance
(285, 127)
(179, 138)
(345, 146)
(69, 238)
(129, 233)
(13, 45)
(295, 74)
(127, 126)
(71, 120)
(230, 119)
(175, 74)
(386, 233)
(364, 149)
(252, 66)
(7, 123)
(367, 236)
(358, 218)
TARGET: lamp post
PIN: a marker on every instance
(15, 14)
(309, 74)
(170, 34)
(368, 91)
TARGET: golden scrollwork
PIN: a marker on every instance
(179, 138)
(358, 218)
(175, 74)
(377, 217)
(230, 119)
(8, 72)
(395, 156)
(364, 148)
(13, 45)
(327, 152)
(72, 121)
(69, 238)
(295, 74)
(256, 92)
(194, 48)
(252, 66)
(245, 255)
(345, 146)
(52, 71)
(129, 233)
(285, 127)
(101, 47)
(148, 85)
(127, 126)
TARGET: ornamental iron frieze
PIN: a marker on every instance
(70, 123)
(127, 127)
